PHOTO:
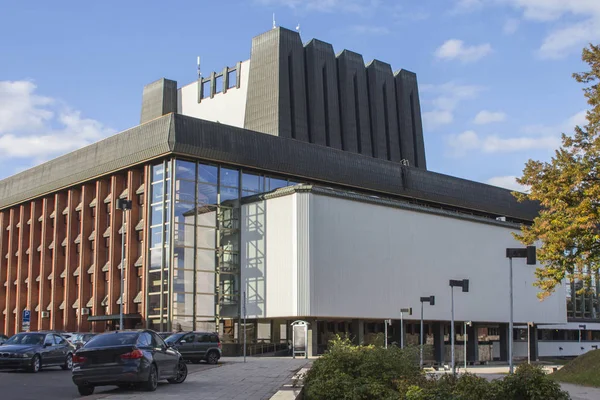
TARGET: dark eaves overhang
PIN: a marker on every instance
(192, 137)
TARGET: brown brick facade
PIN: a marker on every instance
(60, 256)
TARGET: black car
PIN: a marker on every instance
(197, 346)
(126, 359)
(34, 350)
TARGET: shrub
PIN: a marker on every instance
(362, 372)
(530, 382)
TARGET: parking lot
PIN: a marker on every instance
(54, 383)
(257, 379)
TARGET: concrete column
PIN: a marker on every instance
(533, 343)
(313, 338)
(358, 331)
(503, 329)
(396, 336)
(275, 331)
(439, 350)
(472, 344)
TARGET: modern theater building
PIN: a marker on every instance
(298, 178)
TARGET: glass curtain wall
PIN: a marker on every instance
(582, 296)
(194, 279)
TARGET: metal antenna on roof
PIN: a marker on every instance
(298, 27)
(199, 73)
(274, 24)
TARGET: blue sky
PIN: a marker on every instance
(494, 75)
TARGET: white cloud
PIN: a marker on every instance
(445, 99)
(370, 30)
(455, 49)
(487, 117)
(40, 127)
(462, 6)
(508, 182)
(575, 23)
(467, 141)
(510, 26)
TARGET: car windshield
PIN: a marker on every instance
(173, 338)
(27, 338)
(112, 339)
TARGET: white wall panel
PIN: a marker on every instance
(269, 258)
(368, 261)
(552, 349)
(227, 108)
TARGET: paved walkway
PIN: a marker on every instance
(257, 379)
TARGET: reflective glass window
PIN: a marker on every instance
(155, 258)
(184, 213)
(205, 305)
(156, 236)
(185, 191)
(184, 235)
(183, 280)
(253, 183)
(185, 170)
(183, 304)
(206, 259)
(275, 183)
(228, 194)
(207, 194)
(154, 303)
(183, 257)
(154, 281)
(206, 216)
(156, 190)
(157, 172)
(205, 237)
(230, 177)
(205, 282)
(207, 173)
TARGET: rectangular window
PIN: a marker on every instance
(275, 183)
(218, 83)
(205, 305)
(207, 194)
(206, 89)
(228, 194)
(185, 170)
(230, 177)
(253, 183)
(183, 280)
(232, 79)
(184, 213)
(183, 304)
(185, 190)
(183, 257)
(155, 259)
(156, 192)
(207, 173)
(158, 172)
(184, 235)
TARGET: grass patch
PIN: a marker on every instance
(581, 371)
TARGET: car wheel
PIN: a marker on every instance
(152, 382)
(85, 390)
(212, 358)
(68, 365)
(36, 364)
(182, 372)
(195, 361)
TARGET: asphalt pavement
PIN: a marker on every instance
(53, 383)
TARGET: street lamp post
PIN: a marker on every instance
(529, 254)
(467, 323)
(431, 301)
(402, 311)
(464, 284)
(123, 205)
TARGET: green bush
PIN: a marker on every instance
(354, 372)
(362, 372)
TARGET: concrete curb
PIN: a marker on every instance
(292, 390)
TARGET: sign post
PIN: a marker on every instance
(26, 321)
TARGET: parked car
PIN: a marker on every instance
(197, 346)
(164, 335)
(79, 339)
(125, 359)
(34, 350)
(3, 338)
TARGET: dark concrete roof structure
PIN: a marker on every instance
(187, 136)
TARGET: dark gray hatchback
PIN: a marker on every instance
(126, 359)
(197, 346)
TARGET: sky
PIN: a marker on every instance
(495, 76)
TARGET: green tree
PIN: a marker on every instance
(568, 190)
